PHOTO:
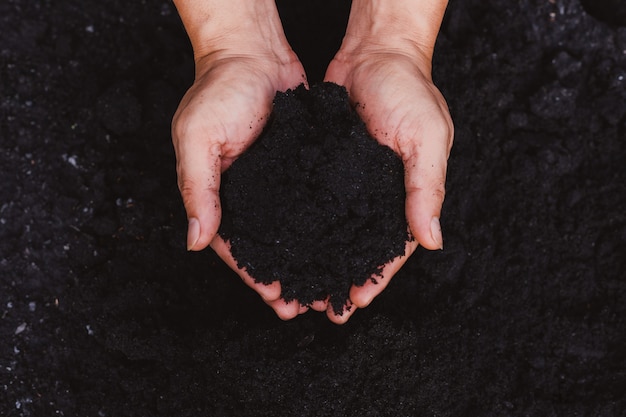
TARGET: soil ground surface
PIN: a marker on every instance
(104, 313)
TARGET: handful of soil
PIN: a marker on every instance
(315, 203)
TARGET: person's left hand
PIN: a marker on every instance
(395, 96)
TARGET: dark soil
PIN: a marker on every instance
(316, 203)
(104, 313)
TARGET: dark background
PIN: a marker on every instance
(104, 313)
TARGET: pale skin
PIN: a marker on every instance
(243, 58)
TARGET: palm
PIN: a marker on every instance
(229, 103)
(397, 101)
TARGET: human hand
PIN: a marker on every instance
(240, 64)
(388, 77)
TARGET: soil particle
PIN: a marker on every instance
(316, 202)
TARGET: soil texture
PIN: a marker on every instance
(104, 313)
(316, 203)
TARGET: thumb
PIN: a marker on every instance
(423, 217)
(425, 177)
(198, 182)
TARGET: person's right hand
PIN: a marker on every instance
(222, 113)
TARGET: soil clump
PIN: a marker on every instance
(315, 203)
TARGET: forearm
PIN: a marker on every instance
(410, 24)
(231, 24)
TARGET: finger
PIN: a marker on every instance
(347, 312)
(198, 168)
(425, 166)
(362, 296)
(320, 305)
(269, 292)
(285, 310)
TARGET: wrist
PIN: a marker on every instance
(237, 27)
(409, 27)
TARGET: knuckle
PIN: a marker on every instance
(441, 126)
(187, 188)
(185, 126)
(438, 191)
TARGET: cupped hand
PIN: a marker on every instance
(395, 96)
(219, 117)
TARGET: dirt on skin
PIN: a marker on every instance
(104, 313)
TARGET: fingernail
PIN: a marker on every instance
(435, 232)
(193, 233)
